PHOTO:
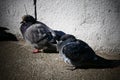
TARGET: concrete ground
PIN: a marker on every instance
(18, 63)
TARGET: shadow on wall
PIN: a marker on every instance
(6, 36)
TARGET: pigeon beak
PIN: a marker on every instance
(22, 22)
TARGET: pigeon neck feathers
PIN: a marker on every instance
(24, 27)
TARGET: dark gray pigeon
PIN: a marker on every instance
(74, 51)
(78, 53)
(36, 33)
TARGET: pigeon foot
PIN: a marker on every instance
(36, 51)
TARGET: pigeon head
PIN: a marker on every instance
(28, 18)
(67, 37)
(58, 34)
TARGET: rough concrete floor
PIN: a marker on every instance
(18, 63)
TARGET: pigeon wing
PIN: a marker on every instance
(36, 33)
(73, 50)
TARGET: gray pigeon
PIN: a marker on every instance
(36, 33)
(75, 52)
(80, 55)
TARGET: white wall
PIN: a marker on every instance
(94, 21)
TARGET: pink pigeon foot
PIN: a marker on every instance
(36, 51)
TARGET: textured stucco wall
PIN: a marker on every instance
(94, 21)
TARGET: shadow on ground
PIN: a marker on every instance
(18, 63)
(102, 64)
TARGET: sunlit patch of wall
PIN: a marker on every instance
(94, 21)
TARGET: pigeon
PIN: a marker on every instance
(78, 53)
(39, 35)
